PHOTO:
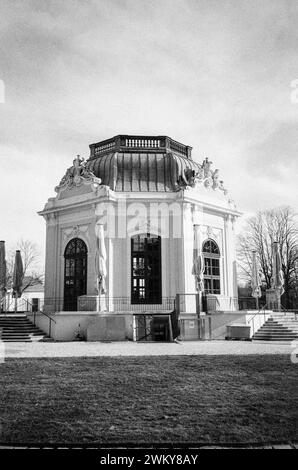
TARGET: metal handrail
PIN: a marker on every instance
(263, 308)
(27, 304)
(88, 303)
(43, 313)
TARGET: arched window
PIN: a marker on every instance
(75, 272)
(146, 269)
(211, 255)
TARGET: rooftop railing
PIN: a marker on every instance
(127, 143)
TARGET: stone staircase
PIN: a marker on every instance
(17, 328)
(281, 326)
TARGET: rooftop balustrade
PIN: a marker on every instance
(136, 143)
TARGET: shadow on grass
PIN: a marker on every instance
(197, 399)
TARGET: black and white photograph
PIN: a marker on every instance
(148, 229)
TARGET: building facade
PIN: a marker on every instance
(125, 227)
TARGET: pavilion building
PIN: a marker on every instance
(123, 236)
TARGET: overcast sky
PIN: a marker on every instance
(215, 75)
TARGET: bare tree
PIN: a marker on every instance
(260, 232)
(30, 257)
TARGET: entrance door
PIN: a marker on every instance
(146, 269)
(75, 273)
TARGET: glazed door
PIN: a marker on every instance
(146, 270)
(75, 273)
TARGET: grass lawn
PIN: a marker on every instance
(191, 399)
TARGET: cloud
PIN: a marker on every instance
(215, 75)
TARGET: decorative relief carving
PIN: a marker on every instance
(146, 226)
(205, 175)
(211, 232)
(76, 175)
(100, 190)
(75, 231)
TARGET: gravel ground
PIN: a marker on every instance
(92, 349)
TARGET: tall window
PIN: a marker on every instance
(145, 269)
(75, 272)
(212, 268)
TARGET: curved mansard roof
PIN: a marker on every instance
(141, 171)
(142, 163)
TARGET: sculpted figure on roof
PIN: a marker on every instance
(76, 175)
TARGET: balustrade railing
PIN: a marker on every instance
(121, 143)
(90, 303)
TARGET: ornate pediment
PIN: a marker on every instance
(77, 175)
(204, 175)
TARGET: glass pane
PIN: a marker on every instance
(210, 247)
(138, 243)
(207, 285)
(207, 270)
(75, 272)
(216, 286)
(146, 269)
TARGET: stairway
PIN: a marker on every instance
(279, 327)
(17, 328)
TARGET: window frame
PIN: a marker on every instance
(212, 268)
(142, 291)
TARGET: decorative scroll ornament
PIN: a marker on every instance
(76, 231)
(76, 175)
(205, 175)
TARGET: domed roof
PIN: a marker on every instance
(139, 163)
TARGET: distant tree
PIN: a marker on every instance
(30, 257)
(261, 231)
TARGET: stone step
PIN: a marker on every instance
(286, 320)
(19, 339)
(16, 322)
(273, 341)
(275, 336)
(22, 340)
(20, 336)
(19, 329)
(277, 329)
(22, 333)
(275, 333)
(25, 330)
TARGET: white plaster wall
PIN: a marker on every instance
(66, 325)
(68, 221)
(220, 321)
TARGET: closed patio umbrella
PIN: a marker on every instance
(18, 275)
(198, 266)
(2, 273)
(277, 272)
(198, 261)
(100, 261)
(255, 278)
